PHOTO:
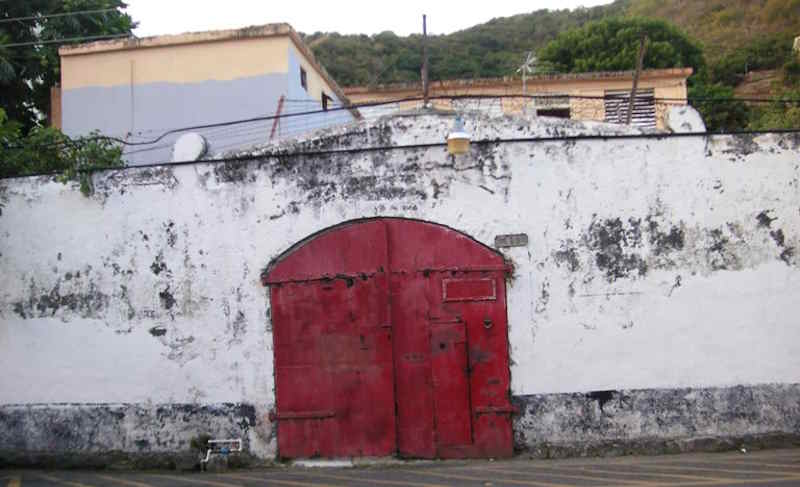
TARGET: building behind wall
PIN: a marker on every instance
(599, 96)
(652, 289)
(138, 89)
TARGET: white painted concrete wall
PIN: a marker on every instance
(200, 234)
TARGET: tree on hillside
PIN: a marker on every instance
(770, 51)
(45, 150)
(721, 111)
(27, 72)
(724, 26)
(783, 113)
(492, 49)
(612, 45)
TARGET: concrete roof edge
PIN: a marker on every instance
(251, 32)
(546, 78)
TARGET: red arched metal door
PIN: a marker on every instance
(390, 336)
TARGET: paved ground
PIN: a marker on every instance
(757, 469)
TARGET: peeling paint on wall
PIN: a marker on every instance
(657, 421)
(76, 294)
(145, 435)
(652, 264)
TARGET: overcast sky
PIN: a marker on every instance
(157, 17)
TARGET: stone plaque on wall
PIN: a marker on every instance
(511, 240)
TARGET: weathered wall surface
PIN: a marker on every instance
(587, 108)
(142, 113)
(300, 100)
(667, 85)
(96, 435)
(139, 94)
(658, 420)
(172, 61)
(658, 294)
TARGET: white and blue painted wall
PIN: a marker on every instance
(139, 93)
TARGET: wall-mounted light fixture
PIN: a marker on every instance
(458, 140)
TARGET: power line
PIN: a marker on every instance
(432, 145)
(65, 40)
(50, 16)
(390, 102)
(404, 100)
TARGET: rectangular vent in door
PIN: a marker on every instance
(469, 290)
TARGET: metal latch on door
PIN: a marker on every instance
(273, 416)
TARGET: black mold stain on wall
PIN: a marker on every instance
(717, 253)
(106, 432)
(765, 222)
(602, 397)
(167, 299)
(171, 233)
(662, 242)
(568, 256)
(630, 248)
(158, 331)
(75, 294)
(130, 179)
(318, 177)
(611, 241)
(601, 421)
(158, 266)
(623, 248)
(233, 172)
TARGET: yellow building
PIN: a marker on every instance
(601, 96)
(138, 88)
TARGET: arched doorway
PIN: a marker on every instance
(390, 337)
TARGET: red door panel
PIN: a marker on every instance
(390, 336)
(450, 384)
(334, 374)
(416, 435)
(417, 246)
(346, 250)
(477, 298)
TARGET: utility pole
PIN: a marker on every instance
(527, 67)
(425, 60)
(639, 62)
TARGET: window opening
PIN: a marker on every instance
(303, 79)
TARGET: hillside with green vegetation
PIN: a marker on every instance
(739, 35)
(725, 26)
(724, 41)
(493, 49)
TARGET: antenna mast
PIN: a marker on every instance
(425, 59)
(528, 67)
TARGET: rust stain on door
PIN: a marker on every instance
(391, 338)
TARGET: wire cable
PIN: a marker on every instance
(492, 98)
(51, 16)
(66, 40)
(433, 145)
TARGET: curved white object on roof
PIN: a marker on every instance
(683, 119)
(189, 147)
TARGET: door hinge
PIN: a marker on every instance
(273, 416)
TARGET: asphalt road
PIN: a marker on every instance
(757, 469)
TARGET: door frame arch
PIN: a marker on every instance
(398, 285)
